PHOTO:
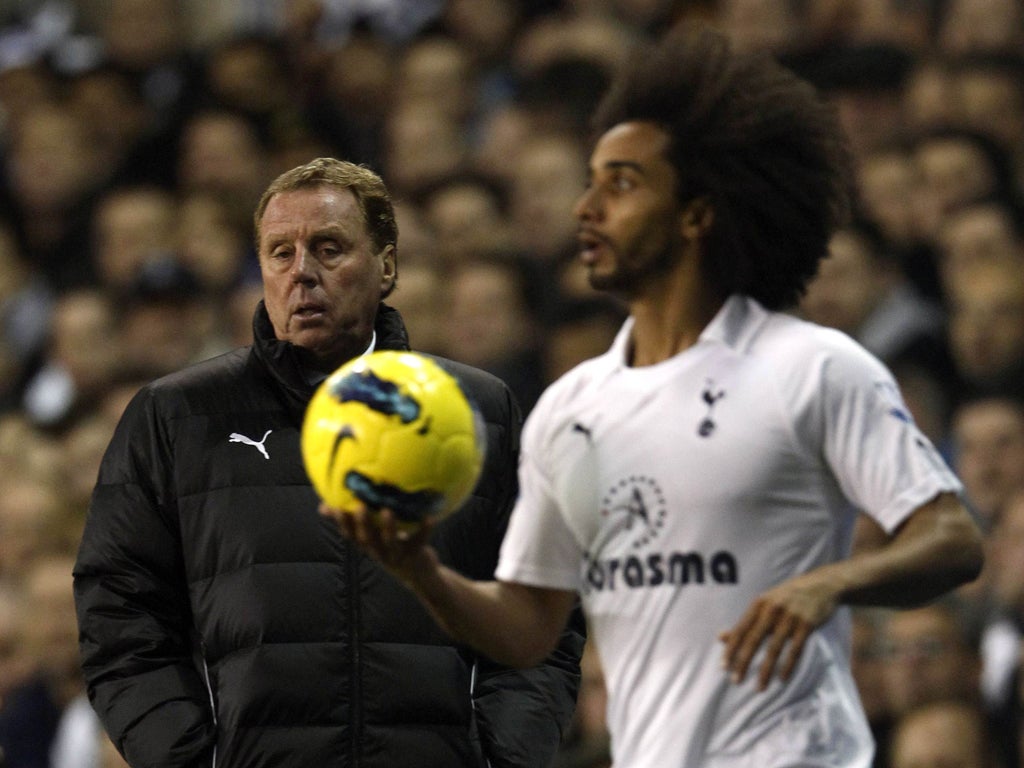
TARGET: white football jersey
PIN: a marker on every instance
(670, 496)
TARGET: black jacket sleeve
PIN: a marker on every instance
(132, 603)
(521, 714)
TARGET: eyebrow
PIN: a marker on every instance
(615, 165)
(330, 232)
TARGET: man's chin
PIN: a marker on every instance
(312, 343)
(323, 351)
(612, 282)
(310, 337)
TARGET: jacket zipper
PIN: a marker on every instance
(213, 707)
(354, 613)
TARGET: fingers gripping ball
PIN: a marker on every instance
(393, 429)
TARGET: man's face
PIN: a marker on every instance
(986, 320)
(1006, 556)
(950, 174)
(928, 659)
(322, 275)
(989, 436)
(848, 286)
(940, 737)
(628, 215)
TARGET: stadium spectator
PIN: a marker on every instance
(52, 174)
(1004, 627)
(981, 232)
(545, 182)
(861, 290)
(930, 656)
(981, 26)
(867, 663)
(988, 440)
(948, 733)
(75, 369)
(986, 328)
(493, 320)
(223, 153)
(132, 226)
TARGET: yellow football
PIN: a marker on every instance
(393, 430)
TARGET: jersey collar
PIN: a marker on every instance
(735, 325)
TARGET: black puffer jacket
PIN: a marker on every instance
(224, 622)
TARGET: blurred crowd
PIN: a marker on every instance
(137, 135)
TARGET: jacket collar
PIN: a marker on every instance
(282, 361)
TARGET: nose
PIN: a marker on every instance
(304, 266)
(586, 207)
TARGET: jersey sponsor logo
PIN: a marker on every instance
(637, 505)
(235, 437)
(675, 569)
(710, 395)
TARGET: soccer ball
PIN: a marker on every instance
(393, 429)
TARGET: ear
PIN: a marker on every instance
(697, 218)
(389, 268)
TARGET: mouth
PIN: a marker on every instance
(589, 245)
(308, 311)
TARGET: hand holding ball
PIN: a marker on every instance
(393, 430)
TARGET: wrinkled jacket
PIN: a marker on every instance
(224, 622)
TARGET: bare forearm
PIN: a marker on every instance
(510, 623)
(514, 624)
(937, 549)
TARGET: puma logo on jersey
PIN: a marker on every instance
(585, 431)
(235, 437)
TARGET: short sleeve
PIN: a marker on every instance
(882, 461)
(539, 548)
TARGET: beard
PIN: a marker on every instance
(636, 264)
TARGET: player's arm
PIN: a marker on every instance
(937, 548)
(514, 624)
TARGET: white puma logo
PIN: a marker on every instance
(237, 438)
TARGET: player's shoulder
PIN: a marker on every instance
(586, 375)
(807, 360)
(788, 338)
(578, 390)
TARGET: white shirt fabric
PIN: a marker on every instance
(670, 496)
(77, 742)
